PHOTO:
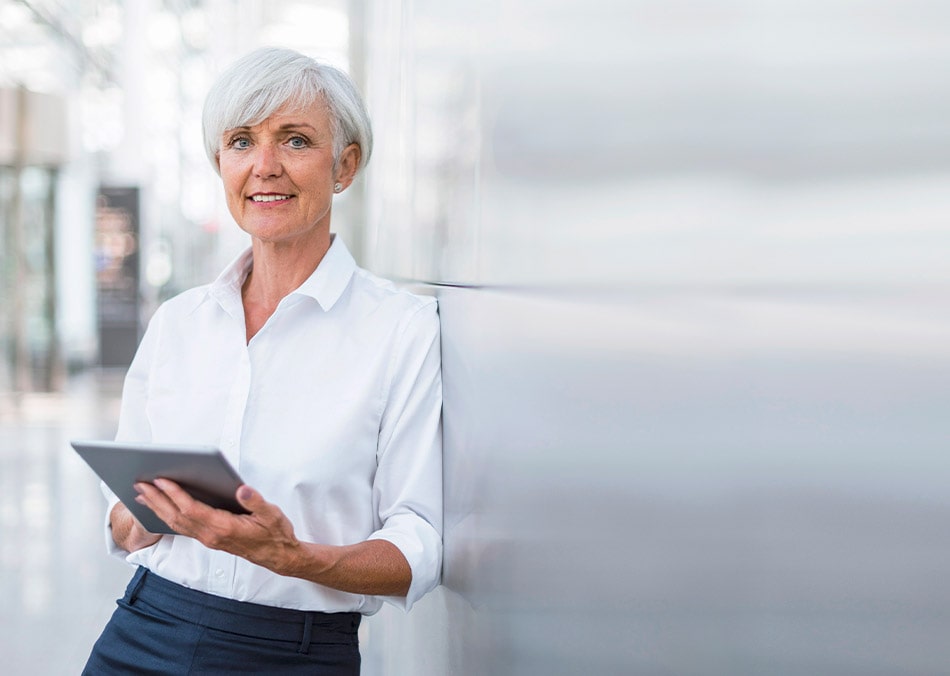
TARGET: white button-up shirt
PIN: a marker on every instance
(332, 412)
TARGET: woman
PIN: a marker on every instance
(319, 381)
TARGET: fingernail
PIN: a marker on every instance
(246, 493)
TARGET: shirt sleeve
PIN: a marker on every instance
(407, 490)
(133, 418)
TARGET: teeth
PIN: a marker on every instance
(269, 198)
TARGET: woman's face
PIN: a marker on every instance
(278, 175)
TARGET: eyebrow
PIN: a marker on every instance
(284, 127)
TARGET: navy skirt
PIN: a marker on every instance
(160, 627)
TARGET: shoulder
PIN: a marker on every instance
(380, 293)
(184, 303)
(392, 312)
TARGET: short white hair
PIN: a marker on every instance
(259, 84)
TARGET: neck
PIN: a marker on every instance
(280, 268)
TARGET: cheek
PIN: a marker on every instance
(317, 174)
(231, 180)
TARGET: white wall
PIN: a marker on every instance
(690, 262)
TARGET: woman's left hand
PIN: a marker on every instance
(265, 536)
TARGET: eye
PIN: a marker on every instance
(298, 142)
(239, 143)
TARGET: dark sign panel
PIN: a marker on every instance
(117, 274)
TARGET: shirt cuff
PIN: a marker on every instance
(111, 547)
(421, 544)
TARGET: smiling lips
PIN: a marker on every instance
(270, 198)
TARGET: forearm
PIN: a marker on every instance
(373, 567)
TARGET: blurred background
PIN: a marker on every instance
(692, 264)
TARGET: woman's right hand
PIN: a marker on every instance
(129, 534)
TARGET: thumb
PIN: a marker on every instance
(250, 499)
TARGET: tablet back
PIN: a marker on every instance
(202, 471)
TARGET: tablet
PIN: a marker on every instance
(202, 471)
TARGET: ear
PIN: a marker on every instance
(348, 164)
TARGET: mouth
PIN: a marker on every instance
(270, 197)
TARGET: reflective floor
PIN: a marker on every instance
(58, 586)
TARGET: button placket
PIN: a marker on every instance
(221, 565)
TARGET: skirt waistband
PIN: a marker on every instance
(241, 617)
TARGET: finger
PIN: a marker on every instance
(154, 498)
(251, 500)
(264, 513)
(192, 517)
(161, 505)
(178, 495)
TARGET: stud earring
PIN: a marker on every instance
(338, 187)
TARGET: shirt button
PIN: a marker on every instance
(219, 572)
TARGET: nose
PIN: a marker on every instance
(266, 161)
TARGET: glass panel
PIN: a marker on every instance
(27, 311)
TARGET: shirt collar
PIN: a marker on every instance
(226, 289)
(332, 275)
(325, 285)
